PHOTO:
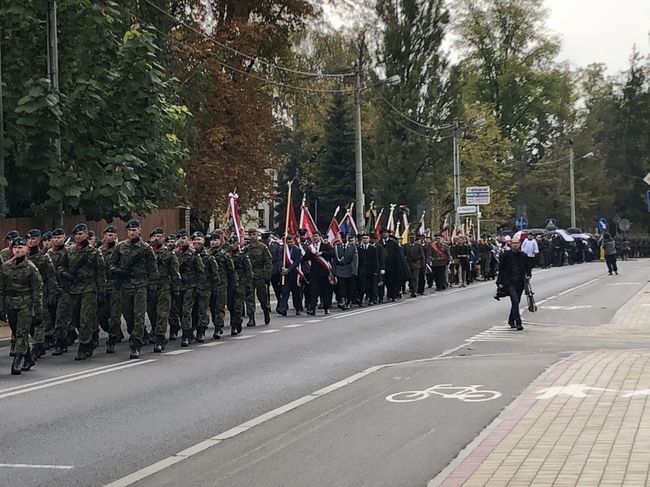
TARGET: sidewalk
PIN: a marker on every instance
(5, 331)
(584, 422)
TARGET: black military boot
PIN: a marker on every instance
(135, 351)
(159, 346)
(59, 345)
(185, 339)
(251, 322)
(90, 348)
(81, 353)
(38, 350)
(200, 335)
(15, 365)
(267, 317)
(12, 349)
(110, 346)
(72, 336)
(49, 343)
(29, 362)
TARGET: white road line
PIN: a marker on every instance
(60, 377)
(269, 331)
(177, 352)
(293, 326)
(243, 337)
(27, 465)
(368, 310)
(211, 344)
(313, 321)
(78, 377)
(581, 285)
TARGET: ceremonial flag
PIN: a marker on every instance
(333, 232)
(232, 217)
(306, 220)
(405, 219)
(390, 226)
(371, 217)
(397, 232)
(291, 224)
(347, 224)
(445, 227)
(422, 229)
(377, 228)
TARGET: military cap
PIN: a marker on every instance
(80, 227)
(11, 234)
(57, 232)
(363, 235)
(91, 233)
(18, 241)
(182, 233)
(217, 233)
(156, 231)
(302, 232)
(34, 232)
(170, 237)
(133, 223)
(110, 229)
(197, 234)
(47, 236)
(266, 235)
(252, 230)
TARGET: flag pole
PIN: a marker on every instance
(286, 228)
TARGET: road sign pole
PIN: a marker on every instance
(478, 222)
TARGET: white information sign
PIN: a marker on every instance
(477, 195)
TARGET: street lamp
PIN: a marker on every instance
(572, 182)
(358, 152)
(476, 123)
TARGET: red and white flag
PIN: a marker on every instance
(390, 226)
(377, 228)
(306, 220)
(333, 232)
(232, 217)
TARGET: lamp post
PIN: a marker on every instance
(456, 137)
(3, 202)
(572, 182)
(358, 151)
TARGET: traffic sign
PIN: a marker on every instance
(466, 210)
(602, 224)
(521, 223)
(624, 225)
(647, 178)
(477, 195)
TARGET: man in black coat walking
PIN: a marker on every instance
(319, 255)
(368, 269)
(514, 269)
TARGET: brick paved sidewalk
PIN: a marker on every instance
(584, 422)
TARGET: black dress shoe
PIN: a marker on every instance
(135, 353)
(311, 312)
(282, 313)
(110, 347)
(327, 311)
(267, 317)
(298, 312)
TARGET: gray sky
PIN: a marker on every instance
(600, 30)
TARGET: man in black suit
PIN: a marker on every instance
(319, 255)
(292, 273)
(395, 265)
(368, 269)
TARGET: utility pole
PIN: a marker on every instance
(53, 75)
(358, 152)
(3, 201)
(572, 184)
(457, 202)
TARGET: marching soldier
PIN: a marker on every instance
(48, 319)
(237, 295)
(109, 303)
(83, 267)
(228, 279)
(204, 283)
(260, 259)
(415, 260)
(5, 255)
(165, 289)
(21, 289)
(48, 277)
(190, 266)
(59, 308)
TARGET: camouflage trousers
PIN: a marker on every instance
(84, 315)
(200, 310)
(236, 298)
(20, 316)
(61, 313)
(257, 287)
(185, 306)
(218, 298)
(134, 307)
(38, 325)
(109, 315)
(159, 302)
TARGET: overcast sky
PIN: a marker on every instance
(600, 30)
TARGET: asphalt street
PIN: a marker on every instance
(96, 422)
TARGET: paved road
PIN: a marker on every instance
(106, 418)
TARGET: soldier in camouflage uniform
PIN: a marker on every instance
(190, 266)
(260, 258)
(21, 289)
(59, 306)
(204, 284)
(227, 280)
(46, 269)
(237, 296)
(109, 303)
(83, 268)
(48, 319)
(174, 311)
(5, 255)
(414, 254)
(133, 266)
(165, 289)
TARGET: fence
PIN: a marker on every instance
(170, 219)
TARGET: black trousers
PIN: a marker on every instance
(367, 288)
(320, 288)
(439, 277)
(610, 260)
(292, 288)
(515, 290)
(346, 287)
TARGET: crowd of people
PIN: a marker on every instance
(57, 289)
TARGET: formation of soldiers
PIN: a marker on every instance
(59, 291)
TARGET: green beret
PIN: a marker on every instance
(57, 232)
(80, 227)
(198, 234)
(182, 233)
(18, 241)
(34, 232)
(12, 234)
(170, 238)
(133, 223)
(91, 233)
(110, 229)
(157, 231)
(47, 236)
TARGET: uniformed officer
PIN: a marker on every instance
(83, 267)
(109, 303)
(21, 289)
(414, 254)
(190, 266)
(164, 290)
(59, 307)
(5, 255)
(236, 296)
(228, 279)
(260, 259)
(48, 319)
(204, 282)
(133, 264)
(48, 277)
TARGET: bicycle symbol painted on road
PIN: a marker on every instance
(471, 393)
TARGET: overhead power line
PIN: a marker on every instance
(396, 110)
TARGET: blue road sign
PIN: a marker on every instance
(602, 224)
(521, 223)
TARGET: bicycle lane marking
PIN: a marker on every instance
(470, 393)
